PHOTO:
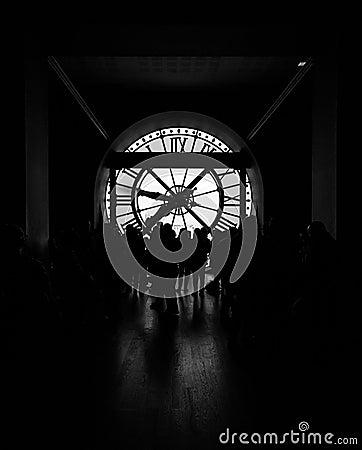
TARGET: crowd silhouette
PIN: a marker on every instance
(289, 286)
(285, 303)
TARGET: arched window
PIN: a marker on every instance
(200, 197)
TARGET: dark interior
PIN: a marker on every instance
(130, 379)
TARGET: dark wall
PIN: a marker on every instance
(12, 179)
(75, 150)
(283, 150)
(282, 147)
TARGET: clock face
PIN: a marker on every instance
(184, 197)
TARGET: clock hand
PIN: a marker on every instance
(197, 179)
(162, 183)
(162, 212)
(154, 195)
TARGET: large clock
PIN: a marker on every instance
(186, 197)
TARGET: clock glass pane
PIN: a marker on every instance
(153, 189)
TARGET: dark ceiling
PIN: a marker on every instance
(179, 71)
(153, 55)
(254, 61)
(212, 68)
(195, 54)
(196, 39)
(108, 83)
(127, 72)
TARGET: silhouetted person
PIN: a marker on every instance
(185, 267)
(218, 238)
(169, 240)
(138, 249)
(25, 290)
(246, 305)
(78, 291)
(314, 313)
(153, 264)
(227, 289)
(199, 259)
(166, 270)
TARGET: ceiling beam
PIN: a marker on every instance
(120, 160)
(288, 89)
(193, 39)
(71, 88)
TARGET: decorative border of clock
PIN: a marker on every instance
(147, 162)
(190, 133)
(223, 186)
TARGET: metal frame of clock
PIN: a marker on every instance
(216, 198)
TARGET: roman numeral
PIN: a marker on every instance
(207, 148)
(124, 214)
(228, 172)
(178, 144)
(231, 214)
(130, 172)
(224, 224)
(123, 200)
(124, 185)
(132, 222)
(228, 199)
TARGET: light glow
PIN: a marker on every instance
(187, 140)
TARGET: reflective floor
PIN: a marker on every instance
(173, 382)
(148, 382)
